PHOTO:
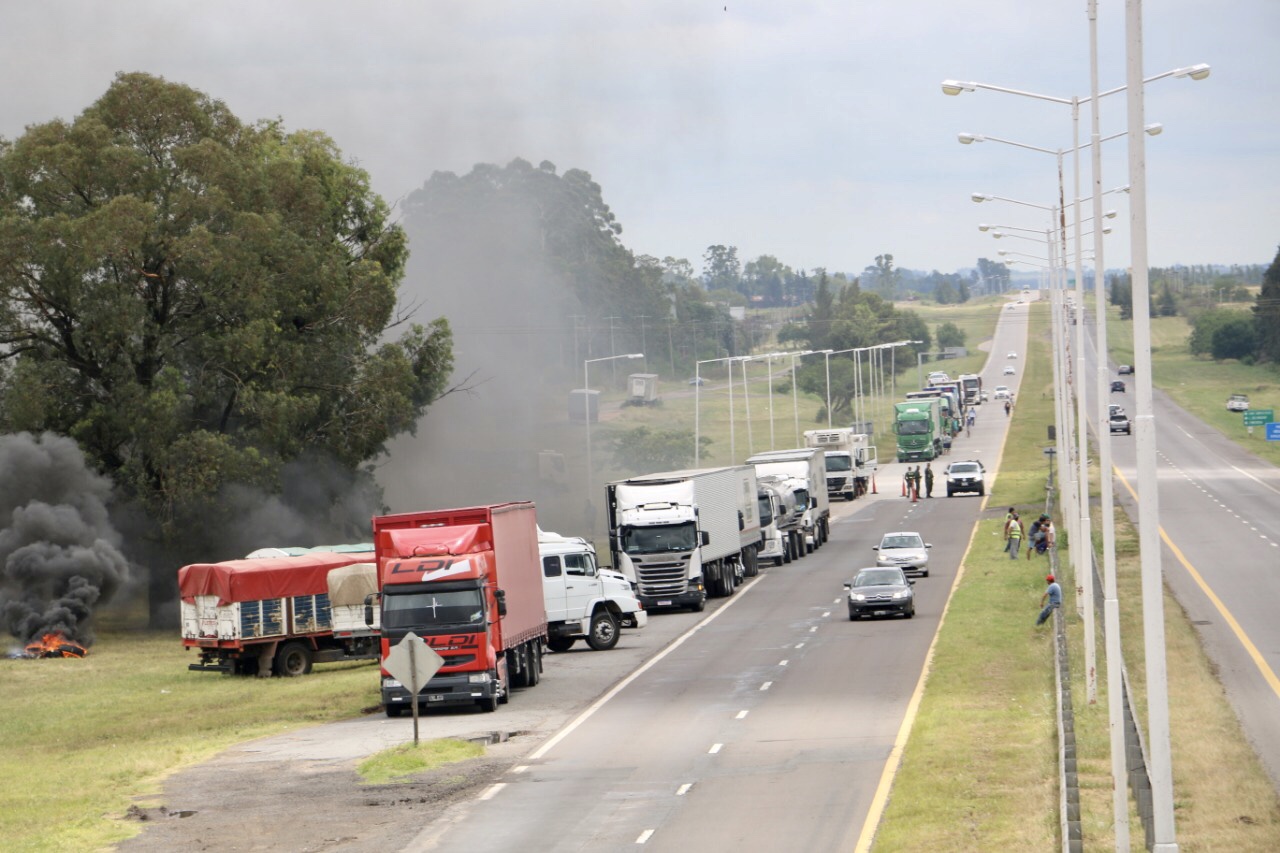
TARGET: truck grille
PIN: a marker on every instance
(661, 578)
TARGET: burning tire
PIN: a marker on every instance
(292, 660)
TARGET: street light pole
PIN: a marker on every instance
(586, 411)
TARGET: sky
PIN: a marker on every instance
(815, 131)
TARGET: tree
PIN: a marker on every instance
(1166, 305)
(1205, 327)
(1122, 294)
(720, 269)
(645, 449)
(1235, 338)
(950, 335)
(1266, 314)
(883, 277)
(822, 314)
(200, 303)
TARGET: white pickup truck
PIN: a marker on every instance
(583, 600)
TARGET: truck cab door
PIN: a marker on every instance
(553, 588)
(582, 583)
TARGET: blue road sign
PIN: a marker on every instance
(1273, 432)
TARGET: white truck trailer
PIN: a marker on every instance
(683, 536)
(850, 458)
(807, 465)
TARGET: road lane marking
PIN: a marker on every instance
(492, 789)
(799, 645)
(783, 662)
(622, 685)
(715, 747)
(683, 789)
(644, 836)
(520, 769)
(1268, 674)
(766, 685)
(826, 614)
(814, 628)
(742, 715)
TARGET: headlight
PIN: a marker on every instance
(391, 682)
(478, 678)
(857, 596)
(902, 593)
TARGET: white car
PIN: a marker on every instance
(1011, 355)
(1238, 403)
(1002, 392)
(1008, 370)
(905, 550)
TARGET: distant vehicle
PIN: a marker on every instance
(1002, 392)
(1113, 410)
(1120, 422)
(966, 476)
(938, 376)
(904, 550)
(1117, 385)
(983, 396)
(1011, 355)
(1238, 403)
(881, 592)
(1125, 370)
(697, 380)
(1008, 370)
(1010, 307)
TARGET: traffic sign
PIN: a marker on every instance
(1273, 432)
(412, 662)
(1259, 417)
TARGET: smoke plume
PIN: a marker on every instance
(59, 554)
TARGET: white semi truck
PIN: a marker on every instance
(584, 601)
(809, 467)
(781, 519)
(684, 536)
(850, 458)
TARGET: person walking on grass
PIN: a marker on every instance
(1013, 533)
(1050, 601)
(928, 480)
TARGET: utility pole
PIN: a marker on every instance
(644, 365)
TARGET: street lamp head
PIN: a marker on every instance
(982, 226)
(634, 355)
(955, 87)
(1110, 214)
(1154, 129)
(997, 234)
(981, 197)
(1195, 72)
(970, 138)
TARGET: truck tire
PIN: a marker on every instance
(518, 665)
(786, 550)
(750, 565)
(535, 662)
(293, 659)
(700, 606)
(604, 631)
(488, 704)
(395, 710)
(560, 644)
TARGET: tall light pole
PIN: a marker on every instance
(795, 394)
(697, 397)
(586, 411)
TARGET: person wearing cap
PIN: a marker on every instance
(1053, 597)
(1013, 532)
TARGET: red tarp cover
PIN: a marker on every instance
(270, 577)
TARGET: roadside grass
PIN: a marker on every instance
(1201, 385)
(85, 739)
(980, 771)
(400, 763)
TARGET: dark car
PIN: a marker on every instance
(1117, 385)
(881, 591)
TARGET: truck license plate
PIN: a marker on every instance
(435, 697)
(664, 603)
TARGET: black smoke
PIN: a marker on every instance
(59, 554)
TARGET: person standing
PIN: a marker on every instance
(906, 483)
(1050, 601)
(928, 480)
(1007, 407)
(1013, 533)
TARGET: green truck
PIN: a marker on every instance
(918, 424)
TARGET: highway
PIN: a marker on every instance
(769, 724)
(1220, 524)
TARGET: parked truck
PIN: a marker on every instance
(850, 459)
(274, 615)
(468, 582)
(919, 427)
(971, 386)
(583, 600)
(782, 502)
(807, 466)
(683, 536)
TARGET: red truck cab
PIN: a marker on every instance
(469, 583)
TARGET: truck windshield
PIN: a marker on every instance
(660, 539)
(433, 610)
(838, 464)
(765, 509)
(913, 427)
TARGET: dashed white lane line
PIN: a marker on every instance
(799, 645)
(766, 685)
(520, 768)
(683, 789)
(783, 662)
(742, 715)
(715, 747)
(826, 614)
(813, 629)
(492, 789)
(644, 836)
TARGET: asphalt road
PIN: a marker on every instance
(1220, 524)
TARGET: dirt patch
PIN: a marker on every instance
(236, 805)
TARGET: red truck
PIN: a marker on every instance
(469, 583)
(281, 615)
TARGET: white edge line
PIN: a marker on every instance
(621, 685)
(492, 789)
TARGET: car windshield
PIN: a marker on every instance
(879, 577)
(902, 540)
(660, 539)
(964, 468)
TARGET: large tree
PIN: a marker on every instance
(1266, 314)
(200, 302)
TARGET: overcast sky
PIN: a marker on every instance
(811, 130)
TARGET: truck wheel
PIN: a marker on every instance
(604, 631)
(395, 710)
(535, 662)
(848, 496)
(751, 566)
(700, 606)
(488, 704)
(786, 551)
(560, 644)
(292, 660)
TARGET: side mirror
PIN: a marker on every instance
(501, 596)
(875, 547)
(705, 538)
(927, 545)
(368, 609)
(848, 586)
(910, 582)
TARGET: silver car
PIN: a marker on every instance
(904, 550)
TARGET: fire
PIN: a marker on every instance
(55, 645)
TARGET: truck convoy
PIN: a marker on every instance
(918, 424)
(469, 583)
(850, 460)
(584, 601)
(683, 536)
(276, 615)
(807, 468)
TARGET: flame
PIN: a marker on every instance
(55, 645)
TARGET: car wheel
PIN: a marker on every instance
(910, 614)
(982, 490)
(949, 493)
(924, 573)
(853, 617)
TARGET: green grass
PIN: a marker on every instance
(401, 763)
(84, 738)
